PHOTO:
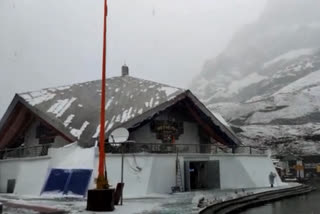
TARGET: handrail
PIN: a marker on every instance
(133, 147)
(22, 151)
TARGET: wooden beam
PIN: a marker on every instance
(13, 127)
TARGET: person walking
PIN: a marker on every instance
(272, 177)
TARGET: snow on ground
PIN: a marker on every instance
(237, 85)
(298, 108)
(290, 55)
(10, 210)
(292, 136)
(309, 80)
(186, 202)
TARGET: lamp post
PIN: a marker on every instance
(102, 198)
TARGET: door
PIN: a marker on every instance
(214, 175)
(187, 186)
(11, 185)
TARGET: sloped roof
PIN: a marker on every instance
(74, 110)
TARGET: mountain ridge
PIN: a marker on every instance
(266, 79)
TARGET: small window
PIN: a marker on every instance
(45, 134)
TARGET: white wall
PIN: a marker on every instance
(143, 173)
(30, 174)
(8, 170)
(158, 172)
(242, 171)
(144, 135)
(72, 157)
(163, 174)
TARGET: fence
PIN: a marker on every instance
(132, 147)
(23, 152)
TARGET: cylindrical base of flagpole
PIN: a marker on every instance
(100, 200)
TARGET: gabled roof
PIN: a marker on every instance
(74, 110)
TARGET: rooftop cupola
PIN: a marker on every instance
(124, 70)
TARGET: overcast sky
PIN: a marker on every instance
(45, 43)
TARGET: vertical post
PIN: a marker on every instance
(177, 156)
(250, 150)
(102, 181)
(122, 159)
(5, 153)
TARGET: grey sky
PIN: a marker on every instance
(46, 43)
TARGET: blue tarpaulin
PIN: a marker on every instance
(78, 182)
(68, 181)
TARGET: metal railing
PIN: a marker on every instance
(23, 152)
(133, 147)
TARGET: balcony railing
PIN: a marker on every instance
(23, 152)
(133, 147)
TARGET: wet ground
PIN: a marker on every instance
(154, 204)
(306, 204)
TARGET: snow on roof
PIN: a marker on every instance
(77, 106)
(221, 119)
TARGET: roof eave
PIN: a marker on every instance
(9, 110)
(205, 110)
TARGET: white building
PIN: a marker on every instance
(177, 141)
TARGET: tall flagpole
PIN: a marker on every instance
(102, 180)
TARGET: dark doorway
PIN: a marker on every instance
(202, 175)
(11, 185)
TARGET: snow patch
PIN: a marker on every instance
(63, 88)
(78, 132)
(68, 120)
(168, 90)
(151, 102)
(109, 103)
(35, 98)
(126, 115)
(290, 55)
(61, 106)
(96, 134)
(309, 80)
(237, 85)
(221, 119)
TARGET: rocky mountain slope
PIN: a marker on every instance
(267, 81)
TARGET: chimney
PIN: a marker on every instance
(125, 70)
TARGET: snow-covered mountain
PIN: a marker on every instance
(267, 81)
